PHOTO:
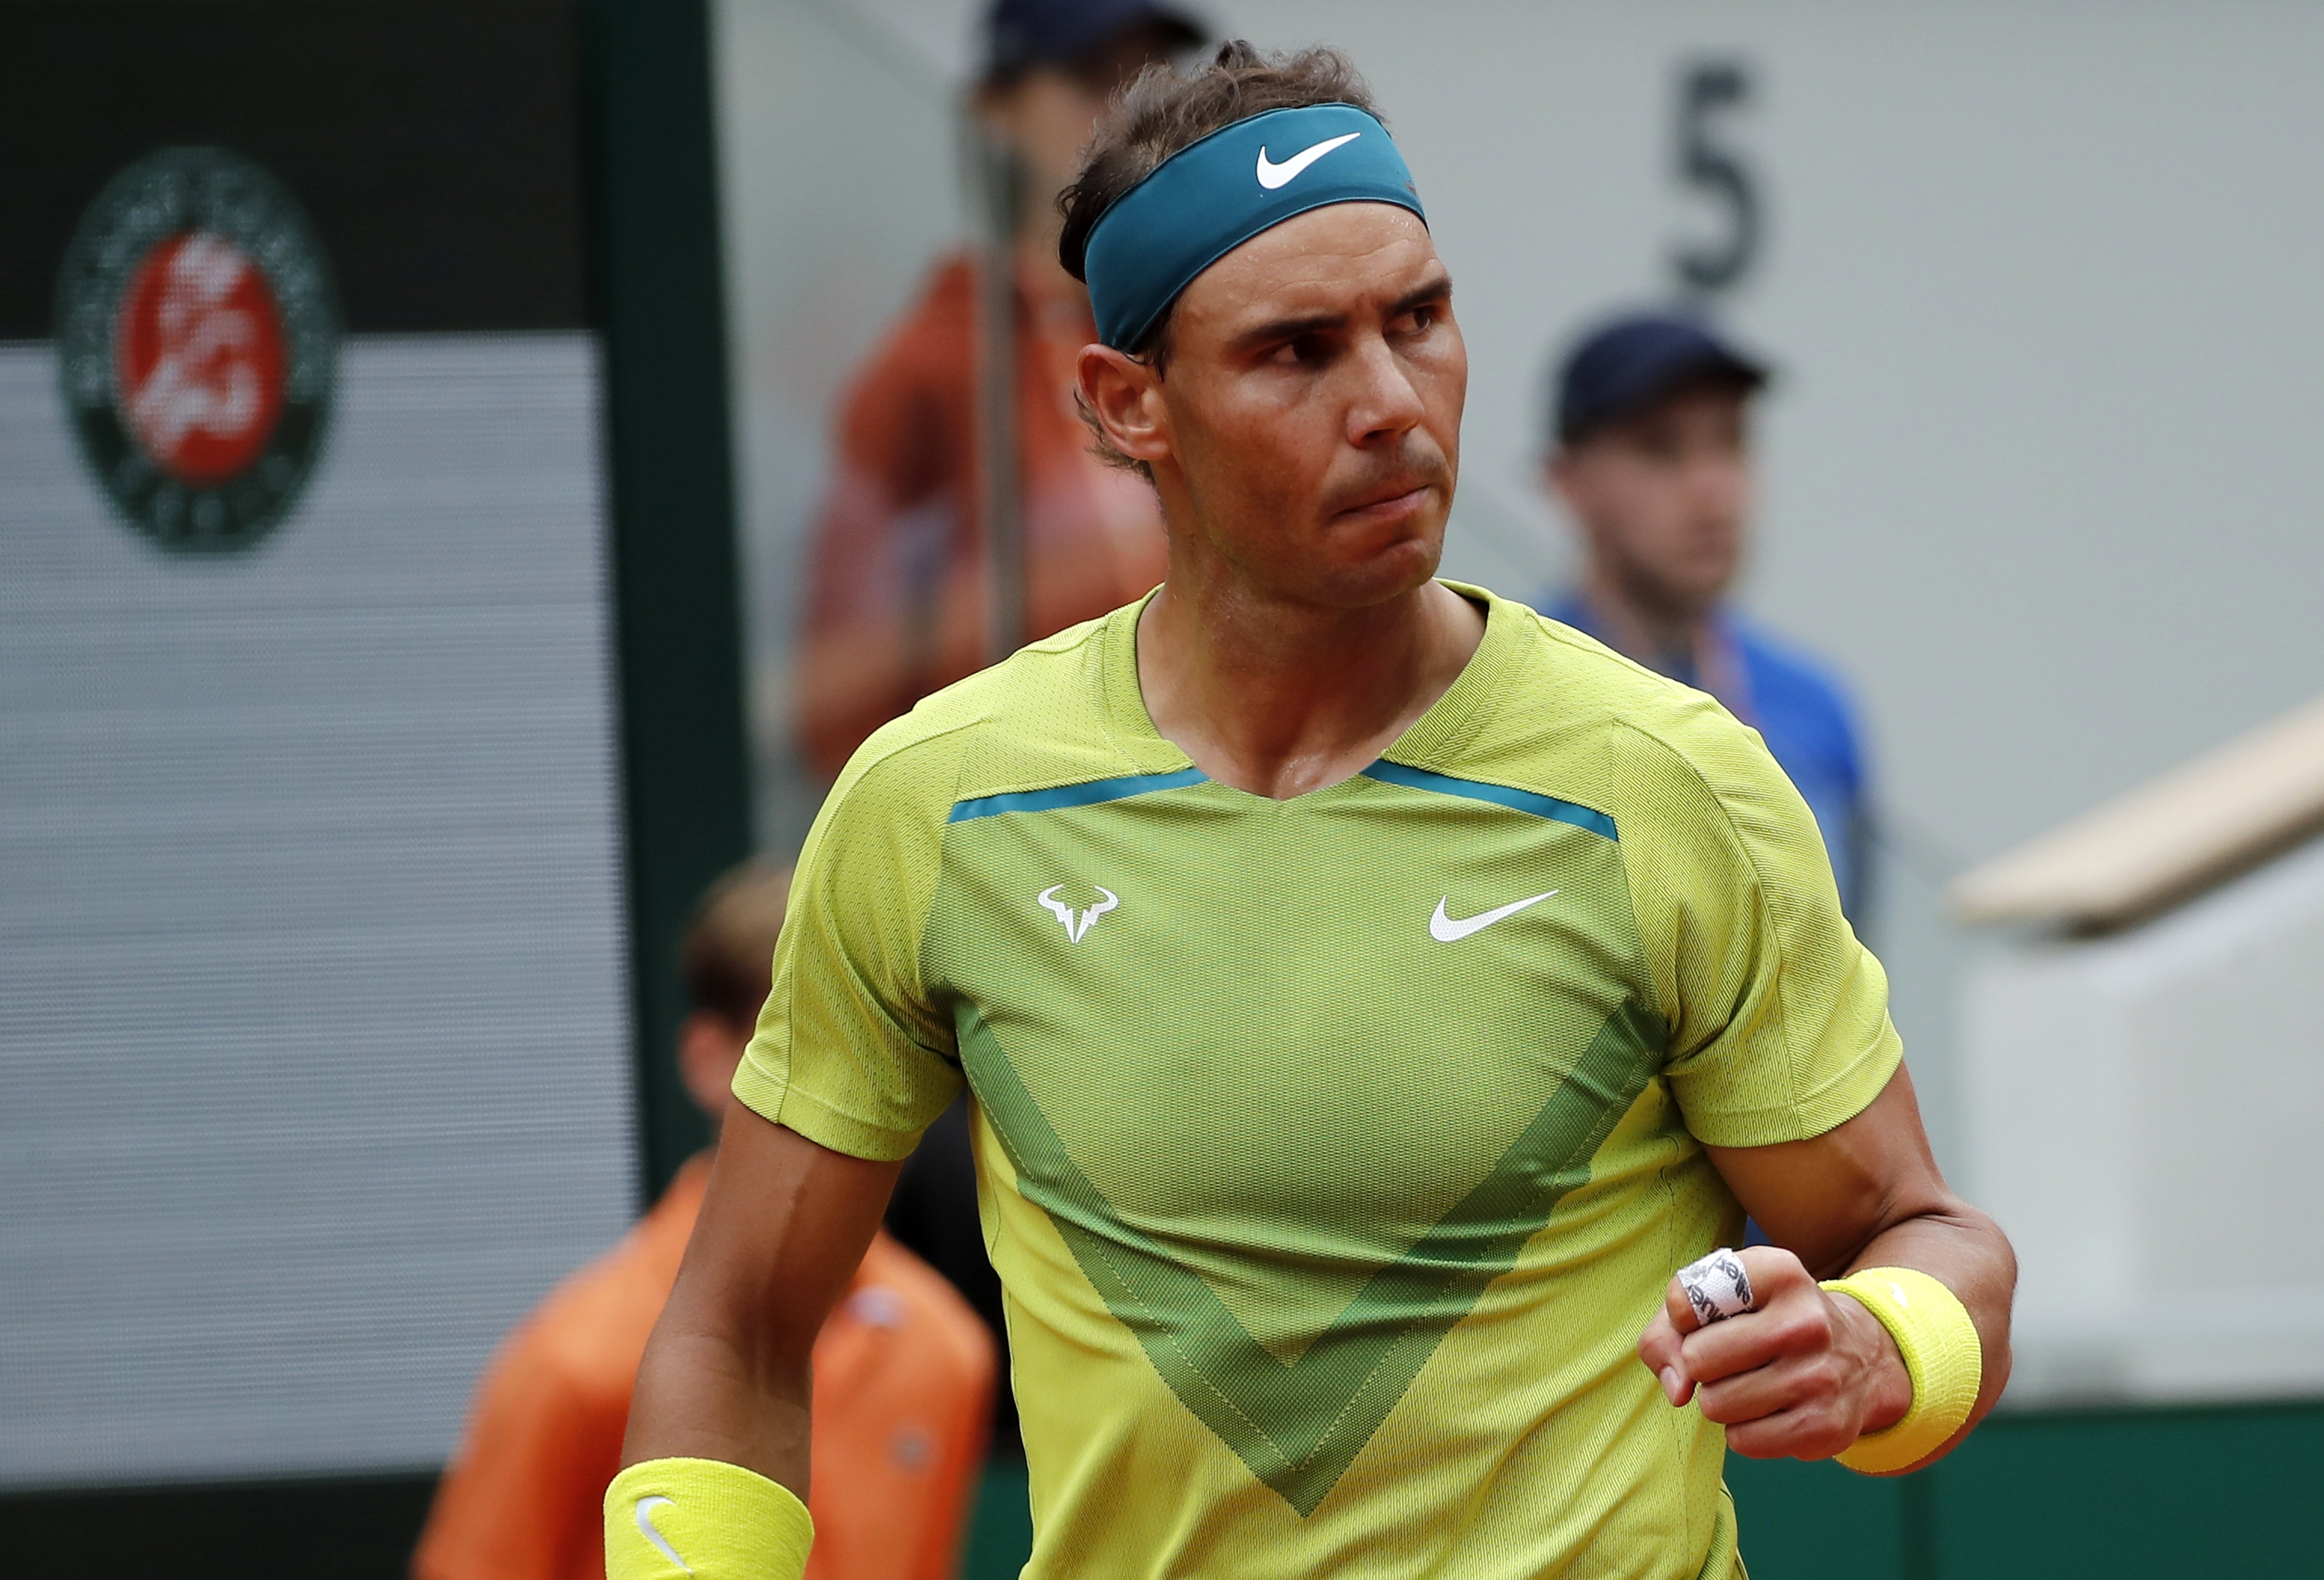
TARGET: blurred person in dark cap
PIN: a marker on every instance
(898, 598)
(1650, 454)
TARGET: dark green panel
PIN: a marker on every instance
(355, 1529)
(2127, 1494)
(1000, 1531)
(657, 284)
(1816, 1521)
(2119, 1493)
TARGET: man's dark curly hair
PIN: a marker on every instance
(1160, 114)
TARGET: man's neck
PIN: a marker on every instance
(1641, 627)
(1279, 698)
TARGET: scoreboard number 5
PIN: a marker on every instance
(1704, 164)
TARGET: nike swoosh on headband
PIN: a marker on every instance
(1272, 175)
(1202, 202)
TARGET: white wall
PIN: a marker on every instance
(838, 165)
(2041, 276)
(2143, 1113)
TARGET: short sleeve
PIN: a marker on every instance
(849, 1053)
(1778, 1015)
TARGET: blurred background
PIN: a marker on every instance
(625, 424)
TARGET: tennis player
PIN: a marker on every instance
(1372, 994)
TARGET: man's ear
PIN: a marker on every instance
(1124, 395)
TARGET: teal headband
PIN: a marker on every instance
(1212, 196)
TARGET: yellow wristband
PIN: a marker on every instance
(670, 1519)
(1941, 1356)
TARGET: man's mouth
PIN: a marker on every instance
(1389, 500)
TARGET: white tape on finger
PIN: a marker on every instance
(1717, 1287)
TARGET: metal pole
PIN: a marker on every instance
(999, 185)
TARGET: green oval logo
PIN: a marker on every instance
(198, 335)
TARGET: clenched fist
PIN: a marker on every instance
(1800, 1375)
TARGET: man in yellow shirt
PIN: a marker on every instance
(1371, 993)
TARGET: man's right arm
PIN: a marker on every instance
(727, 1375)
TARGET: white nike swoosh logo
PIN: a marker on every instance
(1443, 929)
(644, 1515)
(1272, 175)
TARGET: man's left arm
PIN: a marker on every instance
(1806, 1372)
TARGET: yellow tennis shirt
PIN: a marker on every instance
(1334, 1151)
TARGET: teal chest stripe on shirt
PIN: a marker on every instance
(1299, 1426)
(1526, 801)
(1090, 793)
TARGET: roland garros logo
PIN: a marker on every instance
(198, 338)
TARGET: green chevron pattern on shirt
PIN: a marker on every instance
(1298, 1425)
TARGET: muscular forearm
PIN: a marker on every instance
(728, 1373)
(1808, 1373)
(1870, 1195)
(699, 1398)
(1966, 1251)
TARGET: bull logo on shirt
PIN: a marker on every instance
(1077, 922)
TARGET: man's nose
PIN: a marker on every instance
(1386, 402)
(1714, 477)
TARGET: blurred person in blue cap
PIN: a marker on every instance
(897, 600)
(1650, 454)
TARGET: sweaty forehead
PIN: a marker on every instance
(1348, 258)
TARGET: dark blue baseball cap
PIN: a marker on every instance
(1024, 33)
(1627, 363)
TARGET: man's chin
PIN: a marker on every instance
(1393, 571)
(1691, 601)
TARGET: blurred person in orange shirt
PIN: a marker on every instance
(903, 1369)
(897, 599)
